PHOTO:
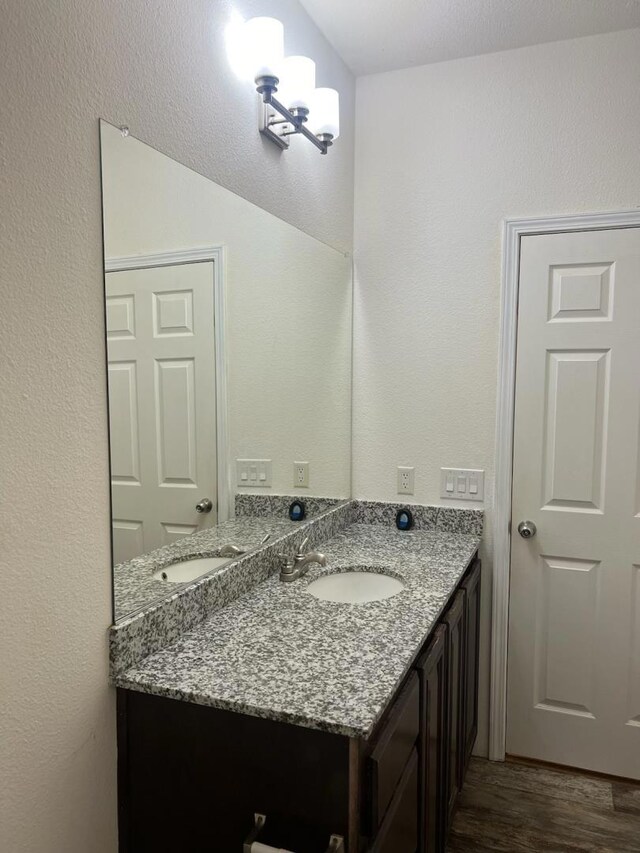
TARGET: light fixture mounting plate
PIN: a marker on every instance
(273, 127)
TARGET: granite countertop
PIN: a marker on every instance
(134, 586)
(278, 652)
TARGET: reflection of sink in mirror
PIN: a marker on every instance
(190, 570)
(355, 587)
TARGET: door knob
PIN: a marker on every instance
(204, 505)
(527, 529)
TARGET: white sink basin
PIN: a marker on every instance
(355, 587)
(190, 570)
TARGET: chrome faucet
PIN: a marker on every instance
(230, 550)
(293, 569)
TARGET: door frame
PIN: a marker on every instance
(193, 256)
(512, 232)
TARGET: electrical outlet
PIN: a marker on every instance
(254, 473)
(300, 475)
(405, 480)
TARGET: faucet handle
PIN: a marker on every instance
(286, 562)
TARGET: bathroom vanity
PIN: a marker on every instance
(351, 722)
(268, 697)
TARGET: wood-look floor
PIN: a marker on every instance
(511, 807)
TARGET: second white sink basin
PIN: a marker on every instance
(355, 587)
(190, 570)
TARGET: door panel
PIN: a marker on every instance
(160, 329)
(580, 292)
(574, 663)
(568, 611)
(125, 444)
(173, 313)
(128, 535)
(176, 422)
(634, 657)
(172, 532)
(120, 317)
(575, 414)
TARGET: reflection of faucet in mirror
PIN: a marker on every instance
(230, 550)
(299, 566)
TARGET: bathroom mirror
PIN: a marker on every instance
(229, 369)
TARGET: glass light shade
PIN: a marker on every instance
(297, 83)
(324, 112)
(264, 46)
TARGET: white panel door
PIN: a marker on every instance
(574, 618)
(160, 338)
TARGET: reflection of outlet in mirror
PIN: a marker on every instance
(405, 480)
(462, 484)
(254, 473)
(301, 475)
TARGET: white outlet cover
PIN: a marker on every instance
(406, 480)
(301, 475)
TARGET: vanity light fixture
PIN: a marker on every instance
(300, 109)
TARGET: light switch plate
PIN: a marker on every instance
(462, 484)
(253, 473)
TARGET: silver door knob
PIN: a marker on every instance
(527, 529)
(204, 505)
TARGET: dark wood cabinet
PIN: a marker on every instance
(393, 748)
(192, 777)
(472, 587)
(456, 653)
(432, 669)
(400, 829)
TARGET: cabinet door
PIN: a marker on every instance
(432, 669)
(191, 779)
(471, 586)
(399, 831)
(394, 746)
(454, 620)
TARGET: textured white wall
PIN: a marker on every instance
(288, 310)
(161, 68)
(458, 147)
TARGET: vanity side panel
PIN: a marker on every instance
(193, 777)
(122, 740)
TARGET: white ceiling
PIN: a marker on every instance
(382, 35)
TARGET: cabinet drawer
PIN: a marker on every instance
(399, 830)
(393, 749)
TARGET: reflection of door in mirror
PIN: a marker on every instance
(161, 353)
